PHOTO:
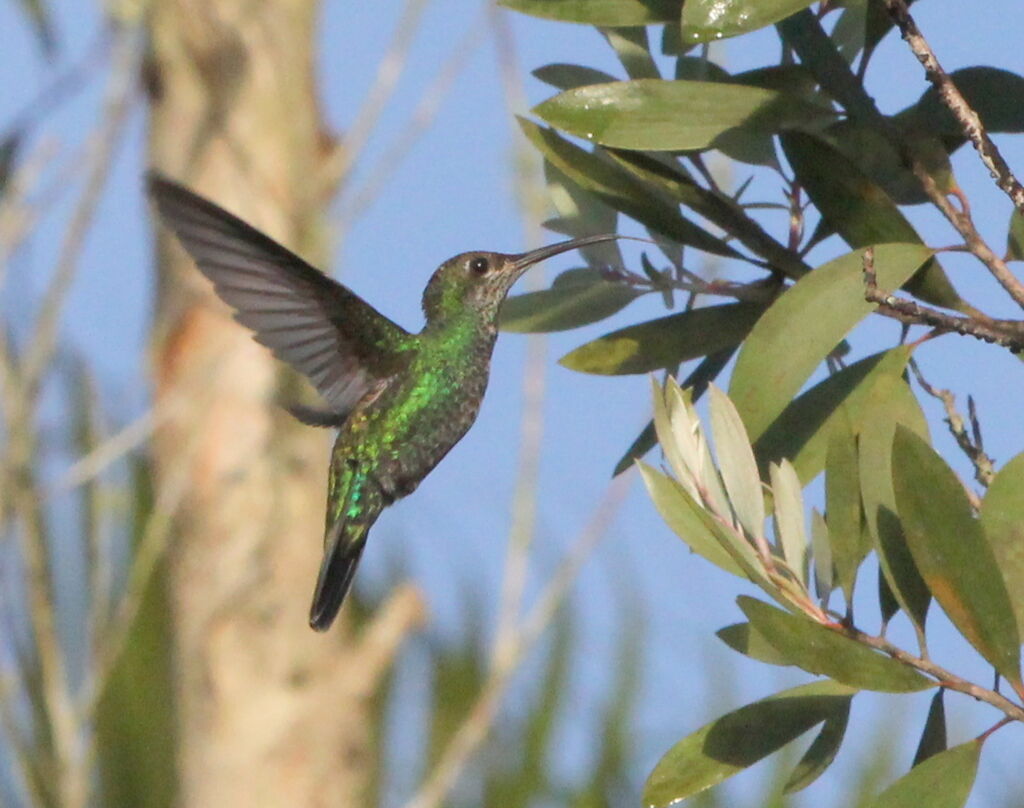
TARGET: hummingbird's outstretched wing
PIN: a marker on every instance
(308, 320)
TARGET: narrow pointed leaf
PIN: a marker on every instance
(789, 517)
(821, 545)
(1002, 516)
(644, 114)
(806, 323)
(566, 76)
(711, 20)
(933, 739)
(825, 652)
(821, 752)
(801, 431)
(952, 554)
(677, 509)
(666, 341)
(889, 403)
(568, 305)
(740, 739)
(943, 781)
(860, 211)
(600, 12)
(741, 637)
(737, 464)
(620, 191)
(842, 502)
(1015, 237)
(634, 52)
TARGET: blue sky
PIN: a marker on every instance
(454, 192)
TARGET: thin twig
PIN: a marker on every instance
(474, 730)
(954, 100)
(1007, 333)
(984, 466)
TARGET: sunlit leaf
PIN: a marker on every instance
(789, 516)
(825, 652)
(821, 752)
(952, 554)
(583, 297)
(737, 464)
(740, 739)
(1002, 516)
(645, 114)
(666, 341)
(711, 20)
(933, 739)
(804, 324)
(600, 12)
(860, 211)
(943, 781)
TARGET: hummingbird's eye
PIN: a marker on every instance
(479, 266)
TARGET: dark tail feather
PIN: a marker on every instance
(336, 573)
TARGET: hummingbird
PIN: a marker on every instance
(399, 400)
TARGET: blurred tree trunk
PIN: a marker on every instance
(270, 712)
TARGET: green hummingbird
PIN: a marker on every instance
(399, 400)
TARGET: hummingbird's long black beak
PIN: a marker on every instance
(528, 259)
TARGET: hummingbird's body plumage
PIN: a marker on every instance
(400, 401)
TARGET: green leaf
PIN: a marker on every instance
(849, 543)
(801, 431)
(566, 76)
(739, 739)
(825, 652)
(620, 191)
(634, 52)
(737, 464)
(821, 752)
(890, 402)
(933, 739)
(607, 13)
(1014, 237)
(952, 553)
(1002, 517)
(583, 297)
(860, 211)
(742, 638)
(943, 781)
(645, 114)
(666, 341)
(789, 516)
(711, 20)
(707, 370)
(804, 325)
(821, 549)
(687, 519)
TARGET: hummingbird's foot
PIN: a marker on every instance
(312, 416)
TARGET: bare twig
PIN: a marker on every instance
(474, 730)
(984, 466)
(951, 96)
(1007, 333)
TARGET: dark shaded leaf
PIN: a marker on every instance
(740, 739)
(933, 739)
(848, 542)
(1002, 517)
(634, 52)
(620, 191)
(943, 781)
(584, 297)
(566, 76)
(666, 341)
(821, 752)
(1014, 237)
(952, 553)
(608, 13)
(711, 20)
(804, 325)
(659, 115)
(825, 652)
(860, 211)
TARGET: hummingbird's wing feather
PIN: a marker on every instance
(310, 321)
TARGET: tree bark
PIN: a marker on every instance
(270, 712)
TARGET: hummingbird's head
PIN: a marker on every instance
(479, 281)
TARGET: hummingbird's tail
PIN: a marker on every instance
(341, 557)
